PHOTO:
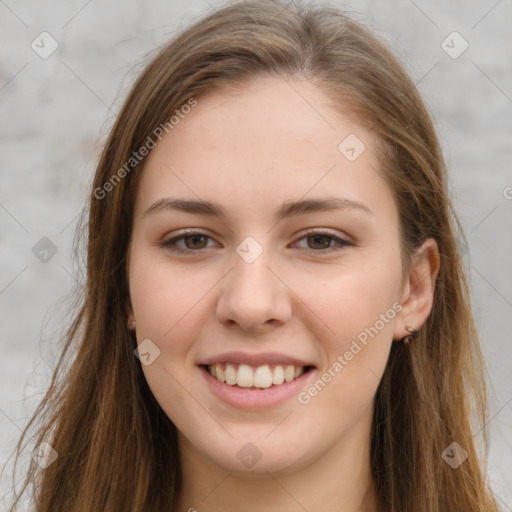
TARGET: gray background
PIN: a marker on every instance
(55, 112)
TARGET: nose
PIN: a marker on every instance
(254, 296)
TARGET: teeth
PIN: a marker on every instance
(219, 373)
(289, 373)
(260, 377)
(245, 377)
(231, 376)
(278, 375)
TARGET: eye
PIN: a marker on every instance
(320, 241)
(194, 241)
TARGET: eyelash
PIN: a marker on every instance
(171, 243)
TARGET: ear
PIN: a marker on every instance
(418, 291)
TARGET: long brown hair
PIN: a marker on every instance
(117, 450)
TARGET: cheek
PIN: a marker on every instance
(349, 298)
(163, 301)
(165, 297)
(359, 311)
(163, 306)
(358, 305)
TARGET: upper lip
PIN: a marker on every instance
(254, 359)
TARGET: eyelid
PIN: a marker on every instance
(325, 231)
(341, 242)
(182, 235)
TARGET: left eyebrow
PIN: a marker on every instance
(287, 209)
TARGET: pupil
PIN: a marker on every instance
(195, 237)
(324, 237)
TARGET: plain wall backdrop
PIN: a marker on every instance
(65, 68)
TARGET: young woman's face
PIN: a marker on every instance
(237, 261)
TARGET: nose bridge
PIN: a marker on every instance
(252, 294)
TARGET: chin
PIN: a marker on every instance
(260, 456)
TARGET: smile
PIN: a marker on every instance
(246, 376)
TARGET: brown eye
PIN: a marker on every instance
(195, 241)
(319, 241)
(322, 242)
(187, 242)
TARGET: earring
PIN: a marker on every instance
(131, 324)
(412, 331)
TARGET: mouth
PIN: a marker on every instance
(256, 381)
(255, 377)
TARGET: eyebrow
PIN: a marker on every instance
(287, 209)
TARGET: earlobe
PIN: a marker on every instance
(130, 315)
(418, 291)
(131, 320)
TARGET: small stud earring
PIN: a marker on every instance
(412, 331)
(131, 324)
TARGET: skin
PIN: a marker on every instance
(251, 151)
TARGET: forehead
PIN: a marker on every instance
(270, 117)
(273, 140)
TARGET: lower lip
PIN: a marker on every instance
(250, 398)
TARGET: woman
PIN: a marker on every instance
(275, 316)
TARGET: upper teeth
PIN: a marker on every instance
(260, 377)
